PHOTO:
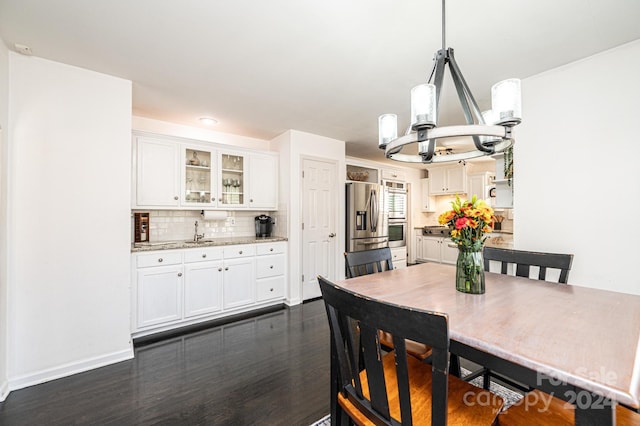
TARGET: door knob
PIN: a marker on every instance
(331, 235)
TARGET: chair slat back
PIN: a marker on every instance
(368, 261)
(524, 260)
(345, 309)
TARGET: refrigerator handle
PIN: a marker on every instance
(374, 211)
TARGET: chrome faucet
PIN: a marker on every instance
(196, 236)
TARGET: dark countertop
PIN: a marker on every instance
(207, 242)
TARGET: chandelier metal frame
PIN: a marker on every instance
(488, 139)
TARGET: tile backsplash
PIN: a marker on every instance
(179, 225)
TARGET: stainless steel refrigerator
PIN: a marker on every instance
(367, 220)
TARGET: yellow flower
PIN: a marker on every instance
(445, 217)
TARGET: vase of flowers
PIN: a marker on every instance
(469, 222)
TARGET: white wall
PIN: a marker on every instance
(293, 146)
(69, 209)
(577, 179)
(4, 119)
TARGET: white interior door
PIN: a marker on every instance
(318, 219)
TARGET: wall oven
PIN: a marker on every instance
(397, 233)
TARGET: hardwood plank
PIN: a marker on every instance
(272, 369)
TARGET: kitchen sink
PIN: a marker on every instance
(198, 242)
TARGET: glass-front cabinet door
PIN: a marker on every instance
(233, 167)
(199, 177)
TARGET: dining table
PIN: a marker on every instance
(581, 343)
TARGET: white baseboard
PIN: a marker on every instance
(4, 390)
(68, 369)
(293, 302)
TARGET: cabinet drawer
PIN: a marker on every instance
(398, 254)
(244, 250)
(158, 259)
(394, 174)
(270, 288)
(269, 266)
(270, 248)
(203, 254)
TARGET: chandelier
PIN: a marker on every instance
(490, 130)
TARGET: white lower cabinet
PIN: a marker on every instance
(436, 249)
(239, 282)
(270, 271)
(202, 288)
(173, 288)
(449, 252)
(159, 295)
(399, 257)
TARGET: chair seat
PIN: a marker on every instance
(415, 349)
(533, 410)
(467, 404)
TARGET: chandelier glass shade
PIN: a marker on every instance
(490, 130)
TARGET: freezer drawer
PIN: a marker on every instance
(360, 244)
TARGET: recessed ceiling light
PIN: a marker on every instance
(208, 121)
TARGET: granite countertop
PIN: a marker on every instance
(207, 242)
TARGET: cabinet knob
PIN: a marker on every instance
(160, 260)
(204, 255)
(271, 267)
(179, 274)
(240, 252)
(251, 200)
(213, 199)
(219, 269)
(271, 249)
(175, 198)
(270, 289)
(226, 269)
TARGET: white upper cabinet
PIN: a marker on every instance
(448, 180)
(263, 184)
(199, 165)
(157, 174)
(479, 185)
(233, 179)
(427, 202)
(183, 174)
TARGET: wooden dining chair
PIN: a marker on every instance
(521, 264)
(394, 388)
(367, 262)
(540, 408)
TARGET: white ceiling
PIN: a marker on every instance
(327, 67)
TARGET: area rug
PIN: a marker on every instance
(510, 397)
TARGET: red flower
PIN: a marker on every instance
(463, 222)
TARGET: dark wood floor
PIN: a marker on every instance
(269, 370)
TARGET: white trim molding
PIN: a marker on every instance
(69, 369)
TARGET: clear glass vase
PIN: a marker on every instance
(470, 271)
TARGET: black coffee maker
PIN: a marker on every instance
(264, 226)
